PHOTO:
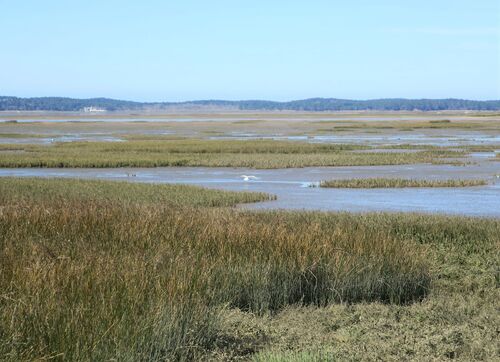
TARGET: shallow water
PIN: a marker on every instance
(292, 127)
(60, 138)
(378, 139)
(238, 115)
(292, 186)
(359, 139)
(113, 120)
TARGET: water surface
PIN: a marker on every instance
(292, 186)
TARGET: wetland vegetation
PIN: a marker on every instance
(210, 153)
(94, 270)
(370, 183)
(40, 189)
(100, 270)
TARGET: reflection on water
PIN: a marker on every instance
(291, 186)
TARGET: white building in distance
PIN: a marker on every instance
(93, 109)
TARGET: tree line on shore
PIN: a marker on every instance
(8, 103)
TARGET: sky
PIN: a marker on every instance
(154, 50)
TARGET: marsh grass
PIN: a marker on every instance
(440, 121)
(153, 137)
(480, 148)
(173, 152)
(95, 276)
(458, 319)
(37, 190)
(398, 125)
(249, 121)
(22, 135)
(398, 183)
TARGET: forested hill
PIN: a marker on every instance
(312, 104)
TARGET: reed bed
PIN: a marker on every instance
(370, 183)
(398, 125)
(254, 154)
(39, 189)
(22, 135)
(97, 276)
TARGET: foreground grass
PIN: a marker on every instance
(369, 183)
(181, 152)
(126, 278)
(458, 320)
(83, 278)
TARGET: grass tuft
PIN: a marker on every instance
(369, 183)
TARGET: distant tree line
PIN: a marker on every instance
(64, 104)
(312, 104)
(396, 104)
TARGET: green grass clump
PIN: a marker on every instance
(210, 153)
(440, 121)
(370, 183)
(101, 277)
(248, 121)
(480, 148)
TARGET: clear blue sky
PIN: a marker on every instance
(280, 50)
